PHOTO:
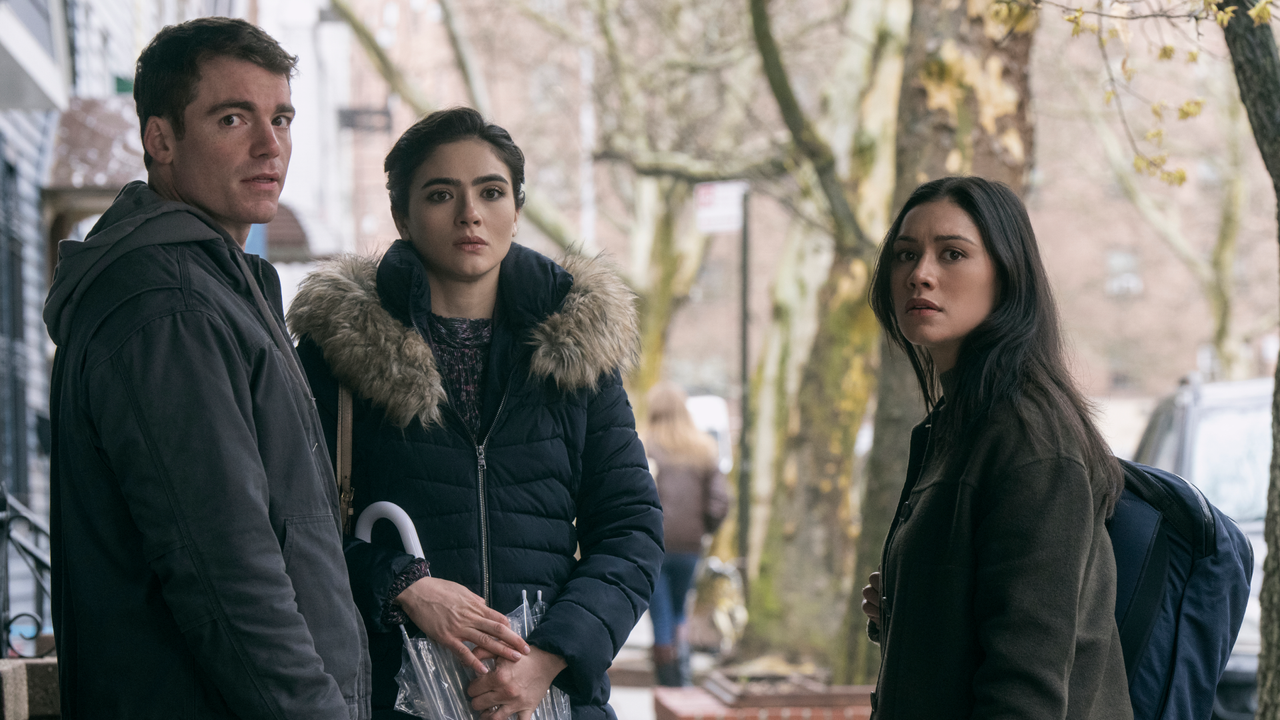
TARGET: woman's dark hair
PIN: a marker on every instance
(1016, 353)
(441, 128)
(164, 83)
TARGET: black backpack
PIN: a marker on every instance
(1182, 582)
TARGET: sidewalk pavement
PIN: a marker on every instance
(634, 700)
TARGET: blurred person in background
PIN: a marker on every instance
(695, 499)
(997, 590)
(488, 404)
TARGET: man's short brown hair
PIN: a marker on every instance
(164, 83)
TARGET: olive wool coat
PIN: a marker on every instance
(998, 581)
(497, 512)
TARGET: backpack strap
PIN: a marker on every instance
(1183, 507)
(345, 492)
(1148, 596)
(1140, 538)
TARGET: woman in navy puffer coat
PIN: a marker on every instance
(489, 405)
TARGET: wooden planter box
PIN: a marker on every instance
(795, 698)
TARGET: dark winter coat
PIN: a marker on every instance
(695, 499)
(197, 554)
(495, 513)
(998, 586)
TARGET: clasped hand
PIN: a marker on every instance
(514, 689)
(452, 615)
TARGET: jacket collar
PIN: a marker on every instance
(577, 317)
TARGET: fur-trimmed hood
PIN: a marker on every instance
(592, 330)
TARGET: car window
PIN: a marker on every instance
(1231, 459)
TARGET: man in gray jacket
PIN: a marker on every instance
(197, 550)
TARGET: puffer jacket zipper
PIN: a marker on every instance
(482, 468)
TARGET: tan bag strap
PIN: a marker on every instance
(345, 492)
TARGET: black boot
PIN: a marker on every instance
(666, 666)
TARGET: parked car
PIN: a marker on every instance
(1218, 437)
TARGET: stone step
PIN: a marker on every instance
(29, 689)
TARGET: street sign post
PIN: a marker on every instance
(722, 208)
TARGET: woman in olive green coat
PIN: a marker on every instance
(996, 595)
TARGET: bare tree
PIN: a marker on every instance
(674, 94)
(1257, 67)
(810, 407)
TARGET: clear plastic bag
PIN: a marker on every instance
(433, 682)
(555, 704)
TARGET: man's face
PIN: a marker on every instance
(232, 158)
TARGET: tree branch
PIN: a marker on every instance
(558, 29)
(544, 217)
(1156, 15)
(1257, 66)
(691, 169)
(465, 58)
(622, 70)
(849, 234)
(382, 62)
(1163, 222)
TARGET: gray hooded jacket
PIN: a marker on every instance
(197, 554)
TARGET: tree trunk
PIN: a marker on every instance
(803, 578)
(784, 351)
(1257, 66)
(963, 109)
(797, 601)
(663, 291)
(1222, 263)
(898, 408)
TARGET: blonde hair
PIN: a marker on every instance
(672, 430)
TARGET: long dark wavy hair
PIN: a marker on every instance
(1015, 355)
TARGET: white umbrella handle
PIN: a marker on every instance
(383, 510)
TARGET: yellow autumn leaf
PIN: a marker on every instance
(1190, 109)
(1155, 135)
(1159, 160)
(1128, 71)
(1157, 109)
(1141, 164)
(1167, 52)
(1224, 16)
(1175, 178)
(1106, 99)
(1261, 13)
(1193, 56)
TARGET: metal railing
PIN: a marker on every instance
(26, 535)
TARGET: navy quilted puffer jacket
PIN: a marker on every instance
(560, 468)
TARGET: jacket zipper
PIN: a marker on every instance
(482, 468)
(481, 472)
